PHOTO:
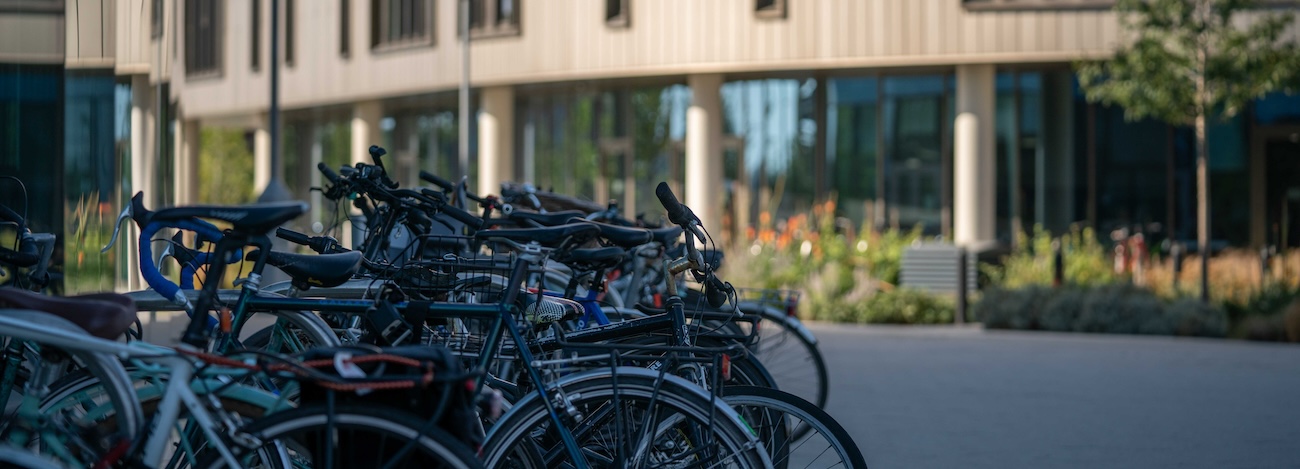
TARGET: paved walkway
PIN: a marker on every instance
(946, 397)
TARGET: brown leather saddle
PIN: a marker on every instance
(103, 315)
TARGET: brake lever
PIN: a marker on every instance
(117, 228)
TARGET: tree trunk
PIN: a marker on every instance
(1203, 207)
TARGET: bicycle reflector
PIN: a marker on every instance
(792, 305)
(726, 368)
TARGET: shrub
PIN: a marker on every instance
(1033, 263)
(1118, 308)
(906, 306)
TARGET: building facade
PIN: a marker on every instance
(959, 116)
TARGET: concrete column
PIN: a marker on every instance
(187, 160)
(365, 129)
(704, 150)
(142, 170)
(496, 139)
(261, 154)
(975, 179)
(142, 135)
(365, 132)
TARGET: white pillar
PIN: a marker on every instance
(704, 151)
(365, 132)
(496, 139)
(975, 181)
(187, 160)
(142, 170)
(261, 154)
(365, 129)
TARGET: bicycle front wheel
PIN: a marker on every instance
(635, 418)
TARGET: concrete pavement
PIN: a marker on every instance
(947, 397)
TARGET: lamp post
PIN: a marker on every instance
(275, 190)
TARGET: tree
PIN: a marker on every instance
(1188, 60)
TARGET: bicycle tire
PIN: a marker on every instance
(523, 437)
(765, 408)
(295, 427)
(790, 354)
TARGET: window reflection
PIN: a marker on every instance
(852, 146)
(91, 106)
(915, 113)
(602, 146)
(772, 133)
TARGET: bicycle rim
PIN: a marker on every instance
(775, 415)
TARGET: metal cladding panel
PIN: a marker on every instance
(933, 267)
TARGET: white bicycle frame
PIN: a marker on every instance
(178, 392)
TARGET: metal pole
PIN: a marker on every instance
(275, 190)
(463, 144)
(962, 293)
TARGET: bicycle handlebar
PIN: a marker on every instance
(437, 181)
(17, 259)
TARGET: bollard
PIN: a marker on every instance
(1177, 253)
(1263, 264)
(960, 315)
(1058, 260)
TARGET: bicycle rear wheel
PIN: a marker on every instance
(350, 435)
(790, 354)
(778, 417)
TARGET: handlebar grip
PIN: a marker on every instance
(437, 181)
(293, 236)
(677, 213)
(435, 195)
(17, 259)
(467, 218)
(330, 175)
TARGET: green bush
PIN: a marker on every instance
(898, 306)
(1115, 308)
(1032, 263)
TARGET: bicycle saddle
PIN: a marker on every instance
(314, 270)
(103, 315)
(666, 234)
(624, 236)
(592, 258)
(255, 219)
(550, 236)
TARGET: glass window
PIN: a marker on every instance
(90, 178)
(852, 146)
(488, 18)
(769, 8)
(915, 109)
(255, 47)
(399, 23)
(775, 131)
(1278, 108)
(612, 145)
(618, 13)
(203, 37)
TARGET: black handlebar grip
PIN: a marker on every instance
(435, 195)
(332, 176)
(437, 181)
(676, 212)
(18, 259)
(467, 218)
(293, 236)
